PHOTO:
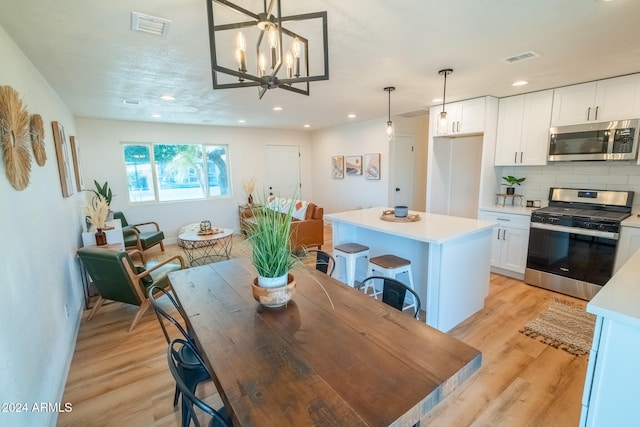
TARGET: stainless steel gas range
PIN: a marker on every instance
(572, 242)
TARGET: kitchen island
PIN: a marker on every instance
(450, 257)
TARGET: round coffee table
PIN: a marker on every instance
(201, 249)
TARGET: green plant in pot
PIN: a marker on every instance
(512, 181)
(268, 236)
(102, 190)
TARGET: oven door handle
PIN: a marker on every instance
(576, 230)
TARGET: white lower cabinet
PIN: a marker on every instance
(628, 244)
(509, 243)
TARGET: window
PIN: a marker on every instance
(170, 172)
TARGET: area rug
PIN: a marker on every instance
(564, 326)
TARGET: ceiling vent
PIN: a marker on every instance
(149, 24)
(524, 56)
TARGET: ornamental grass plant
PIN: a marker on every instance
(268, 236)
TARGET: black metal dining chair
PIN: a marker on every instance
(324, 261)
(219, 417)
(394, 293)
(187, 358)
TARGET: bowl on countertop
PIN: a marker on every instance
(400, 211)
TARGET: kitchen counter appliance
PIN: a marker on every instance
(572, 242)
(595, 141)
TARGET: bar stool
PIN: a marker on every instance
(389, 266)
(351, 252)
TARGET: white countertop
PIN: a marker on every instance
(432, 228)
(619, 299)
(516, 210)
(632, 221)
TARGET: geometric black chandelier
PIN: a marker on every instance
(266, 49)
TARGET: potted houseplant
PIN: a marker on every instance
(268, 236)
(105, 192)
(511, 182)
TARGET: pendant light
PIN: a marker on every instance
(389, 89)
(442, 121)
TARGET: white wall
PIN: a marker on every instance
(40, 274)
(354, 192)
(102, 160)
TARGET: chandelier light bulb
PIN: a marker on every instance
(241, 47)
(296, 53)
(262, 66)
(289, 63)
(273, 42)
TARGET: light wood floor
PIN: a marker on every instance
(121, 379)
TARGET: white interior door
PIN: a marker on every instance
(402, 171)
(283, 170)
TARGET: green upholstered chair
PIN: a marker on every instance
(137, 237)
(117, 278)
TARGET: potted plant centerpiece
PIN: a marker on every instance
(268, 236)
(511, 181)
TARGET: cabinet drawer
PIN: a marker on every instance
(506, 219)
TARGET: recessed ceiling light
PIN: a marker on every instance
(307, 125)
(277, 108)
(352, 116)
(520, 83)
(242, 121)
(156, 116)
(436, 100)
(168, 97)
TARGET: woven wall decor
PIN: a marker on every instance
(14, 133)
(37, 139)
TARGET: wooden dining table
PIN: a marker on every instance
(332, 357)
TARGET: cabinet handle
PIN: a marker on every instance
(521, 156)
(458, 127)
(453, 127)
(503, 219)
(504, 234)
(588, 113)
(498, 234)
(597, 108)
(515, 157)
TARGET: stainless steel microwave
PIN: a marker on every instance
(595, 141)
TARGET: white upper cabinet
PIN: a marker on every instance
(523, 129)
(464, 117)
(611, 99)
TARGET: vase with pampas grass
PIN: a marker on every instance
(97, 212)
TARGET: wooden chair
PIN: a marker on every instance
(219, 418)
(117, 278)
(136, 237)
(394, 292)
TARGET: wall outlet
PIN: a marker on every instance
(66, 310)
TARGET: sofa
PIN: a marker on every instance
(307, 225)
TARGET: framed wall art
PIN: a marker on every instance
(62, 154)
(337, 167)
(353, 165)
(75, 156)
(372, 166)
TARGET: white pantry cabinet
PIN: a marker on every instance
(523, 129)
(464, 117)
(510, 242)
(611, 99)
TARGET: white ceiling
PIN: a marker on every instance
(87, 52)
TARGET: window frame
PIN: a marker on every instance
(155, 178)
